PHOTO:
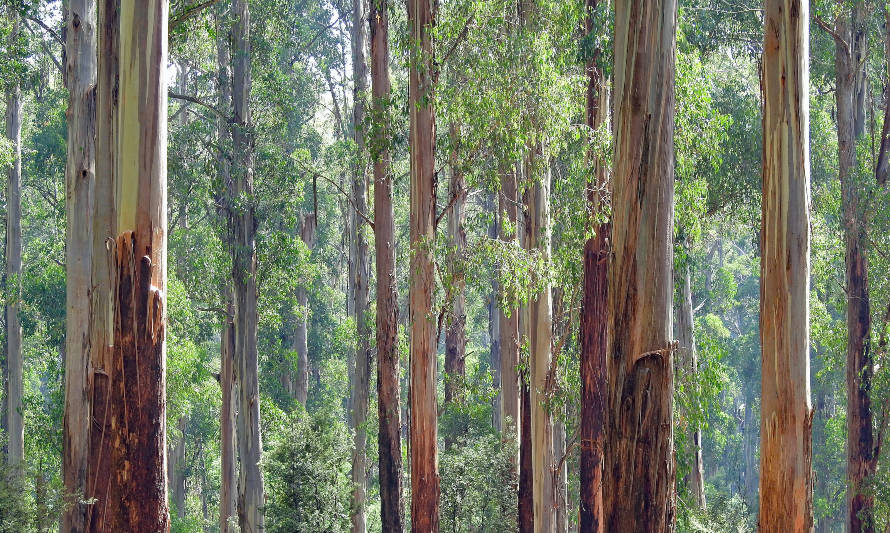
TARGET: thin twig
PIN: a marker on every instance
(339, 188)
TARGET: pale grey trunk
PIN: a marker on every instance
(176, 469)
(80, 73)
(360, 390)
(689, 363)
(251, 494)
(15, 421)
(301, 335)
(508, 319)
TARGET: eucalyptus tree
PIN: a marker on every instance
(639, 473)
(79, 176)
(786, 477)
(424, 410)
(388, 397)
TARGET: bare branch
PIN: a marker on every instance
(198, 101)
(189, 12)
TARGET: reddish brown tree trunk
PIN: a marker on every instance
(594, 320)
(388, 397)
(424, 429)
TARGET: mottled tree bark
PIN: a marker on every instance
(423, 428)
(243, 226)
(638, 492)
(786, 478)
(80, 70)
(388, 396)
(175, 469)
(15, 422)
(360, 390)
(308, 224)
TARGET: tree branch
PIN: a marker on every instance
(45, 48)
(198, 101)
(830, 31)
(189, 12)
(47, 29)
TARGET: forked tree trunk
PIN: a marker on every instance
(786, 479)
(424, 428)
(361, 281)
(80, 70)
(594, 310)
(15, 423)
(136, 498)
(455, 332)
(242, 217)
(388, 395)
(689, 364)
(638, 492)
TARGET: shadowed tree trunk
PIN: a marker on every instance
(526, 494)
(388, 396)
(882, 167)
(80, 70)
(15, 423)
(849, 42)
(242, 218)
(175, 469)
(638, 491)
(455, 332)
(494, 329)
(594, 311)
(308, 225)
(424, 430)
(360, 390)
(786, 479)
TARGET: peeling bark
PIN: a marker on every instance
(638, 491)
(786, 478)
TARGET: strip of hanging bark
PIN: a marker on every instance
(594, 319)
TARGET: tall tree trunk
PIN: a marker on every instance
(227, 378)
(638, 492)
(508, 319)
(360, 390)
(526, 493)
(455, 332)
(882, 167)
(388, 395)
(494, 328)
(80, 69)
(560, 480)
(227, 496)
(176, 467)
(594, 321)
(540, 337)
(308, 224)
(424, 426)
(849, 41)
(136, 499)
(15, 422)
(594, 310)
(689, 364)
(251, 499)
(786, 479)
